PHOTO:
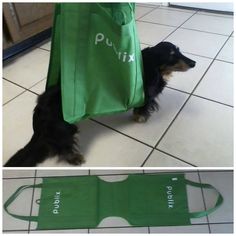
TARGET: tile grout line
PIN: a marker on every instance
(28, 89)
(153, 148)
(210, 65)
(211, 100)
(25, 90)
(195, 95)
(180, 26)
(153, 9)
(207, 57)
(126, 135)
(37, 84)
(188, 98)
(14, 98)
(148, 156)
(32, 200)
(182, 10)
(194, 13)
(44, 49)
(208, 32)
(168, 127)
(179, 159)
(221, 60)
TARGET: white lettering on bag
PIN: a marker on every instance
(170, 197)
(100, 38)
(131, 58)
(56, 203)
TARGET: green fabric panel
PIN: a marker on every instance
(142, 200)
(95, 48)
(76, 206)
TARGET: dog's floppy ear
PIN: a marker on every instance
(148, 56)
(156, 56)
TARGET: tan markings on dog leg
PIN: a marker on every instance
(139, 118)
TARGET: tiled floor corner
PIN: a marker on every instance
(220, 221)
(194, 126)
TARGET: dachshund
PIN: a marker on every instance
(54, 136)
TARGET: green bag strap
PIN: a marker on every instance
(14, 196)
(207, 212)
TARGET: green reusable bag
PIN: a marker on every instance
(96, 58)
(142, 200)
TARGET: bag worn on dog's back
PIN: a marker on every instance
(96, 54)
(142, 200)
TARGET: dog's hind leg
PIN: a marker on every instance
(73, 158)
(64, 140)
(71, 152)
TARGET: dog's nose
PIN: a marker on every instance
(192, 64)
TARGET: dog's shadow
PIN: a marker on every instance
(104, 130)
(97, 130)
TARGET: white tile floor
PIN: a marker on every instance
(194, 126)
(220, 221)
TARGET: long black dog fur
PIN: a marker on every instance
(54, 136)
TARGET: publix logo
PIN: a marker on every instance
(100, 38)
(56, 203)
(170, 195)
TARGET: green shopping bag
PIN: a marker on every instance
(143, 200)
(96, 57)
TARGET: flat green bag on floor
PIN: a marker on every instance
(142, 200)
(96, 58)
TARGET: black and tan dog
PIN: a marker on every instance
(53, 136)
(159, 62)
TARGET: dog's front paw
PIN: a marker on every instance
(139, 118)
(75, 159)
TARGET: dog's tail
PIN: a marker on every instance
(33, 153)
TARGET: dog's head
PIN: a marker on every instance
(168, 58)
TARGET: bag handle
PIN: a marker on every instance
(14, 196)
(206, 212)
